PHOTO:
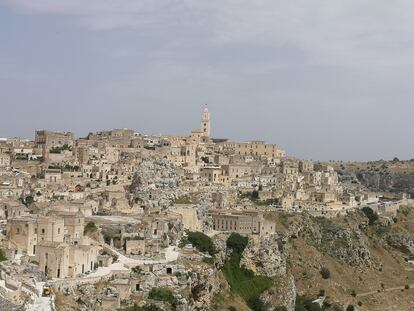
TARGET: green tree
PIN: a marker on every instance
(90, 227)
(370, 214)
(256, 304)
(201, 241)
(255, 195)
(325, 273)
(350, 308)
(162, 294)
(237, 243)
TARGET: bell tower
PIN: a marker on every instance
(205, 123)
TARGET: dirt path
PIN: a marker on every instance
(390, 289)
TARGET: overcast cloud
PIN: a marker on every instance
(322, 79)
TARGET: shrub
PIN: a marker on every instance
(321, 292)
(407, 286)
(256, 304)
(208, 260)
(370, 214)
(359, 303)
(202, 242)
(29, 200)
(350, 308)
(353, 293)
(325, 273)
(162, 294)
(281, 308)
(90, 227)
(255, 195)
(136, 269)
(2, 255)
(148, 307)
(237, 243)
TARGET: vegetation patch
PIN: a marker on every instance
(267, 202)
(370, 214)
(325, 273)
(163, 294)
(332, 238)
(186, 200)
(90, 228)
(241, 280)
(59, 149)
(148, 307)
(2, 255)
(200, 241)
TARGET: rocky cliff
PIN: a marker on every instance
(380, 178)
(155, 183)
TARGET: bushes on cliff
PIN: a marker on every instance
(325, 273)
(90, 227)
(241, 280)
(237, 243)
(370, 214)
(162, 294)
(201, 241)
(2, 255)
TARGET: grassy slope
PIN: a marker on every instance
(243, 281)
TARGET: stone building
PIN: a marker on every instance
(212, 174)
(324, 197)
(255, 148)
(55, 242)
(243, 222)
(206, 123)
(57, 145)
(53, 175)
(4, 160)
(305, 166)
(52, 139)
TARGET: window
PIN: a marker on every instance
(58, 230)
(43, 231)
(17, 230)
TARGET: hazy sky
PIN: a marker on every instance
(324, 79)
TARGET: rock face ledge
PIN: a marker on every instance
(155, 183)
(282, 294)
(265, 256)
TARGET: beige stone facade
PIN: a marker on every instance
(4, 160)
(243, 222)
(56, 242)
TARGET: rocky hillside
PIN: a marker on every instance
(352, 262)
(388, 176)
(155, 183)
(341, 263)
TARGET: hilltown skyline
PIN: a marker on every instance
(185, 132)
(324, 80)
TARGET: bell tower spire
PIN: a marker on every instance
(205, 123)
